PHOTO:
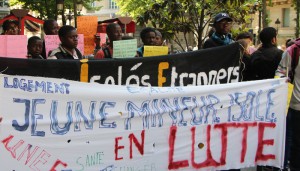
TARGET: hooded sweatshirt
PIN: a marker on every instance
(285, 64)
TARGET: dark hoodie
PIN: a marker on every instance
(264, 62)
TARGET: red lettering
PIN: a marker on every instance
(58, 162)
(29, 154)
(172, 164)
(40, 159)
(117, 148)
(209, 160)
(139, 146)
(12, 149)
(262, 142)
(224, 129)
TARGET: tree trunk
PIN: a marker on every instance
(264, 14)
(200, 29)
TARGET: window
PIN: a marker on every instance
(286, 17)
(113, 4)
(93, 4)
(2, 3)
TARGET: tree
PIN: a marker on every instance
(182, 16)
(47, 8)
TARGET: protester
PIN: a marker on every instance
(159, 39)
(265, 60)
(97, 40)
(50, 27)
(148, 36)
(114, 33)
(34, 48)
(69, 41)
(290, 60)
(245, 40)
(221, 36)
(10, 27)
(248, 37)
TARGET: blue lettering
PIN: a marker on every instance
(55, 129)
(88, 123)
(144, 111)
(6, 85)
(270, 117)
(15, 123)
(35, 117)
(49, 87)
(102, 113)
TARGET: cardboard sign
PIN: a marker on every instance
(125, 48)
(56, 124)
(87, 25)
(13, 46)
(52, 42)
(155, 51)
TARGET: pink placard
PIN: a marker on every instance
(14, 46)
(3, 45)
(52, 42)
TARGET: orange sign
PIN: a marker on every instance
(87, 25)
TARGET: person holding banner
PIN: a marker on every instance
(114, 33)
(68, 47)
(289, 66)
(10, 27)
(34, 48)
(148, 36)
(222, 36)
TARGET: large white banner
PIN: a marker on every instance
(56, 124)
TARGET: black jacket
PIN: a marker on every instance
(265, 61)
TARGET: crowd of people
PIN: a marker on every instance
(263, 62)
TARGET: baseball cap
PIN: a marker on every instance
(222, 16)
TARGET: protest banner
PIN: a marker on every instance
(52, 42)
(87, 25)
(155, 51)
(56, 124)
(13, 46)
(203, 67)
(124, 48)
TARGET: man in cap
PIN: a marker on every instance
(222, 36)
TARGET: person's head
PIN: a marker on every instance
(159, 39)
(10, 27)
(114, 32)
(247, 37)
(34, 46)
(268, 36)
(222, 23)
(68, 37)
(50, 27)
(148, 36)
(289, 42)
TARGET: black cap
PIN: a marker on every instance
(222, 16)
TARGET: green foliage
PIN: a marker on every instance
(182, 16)
(47, 8)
